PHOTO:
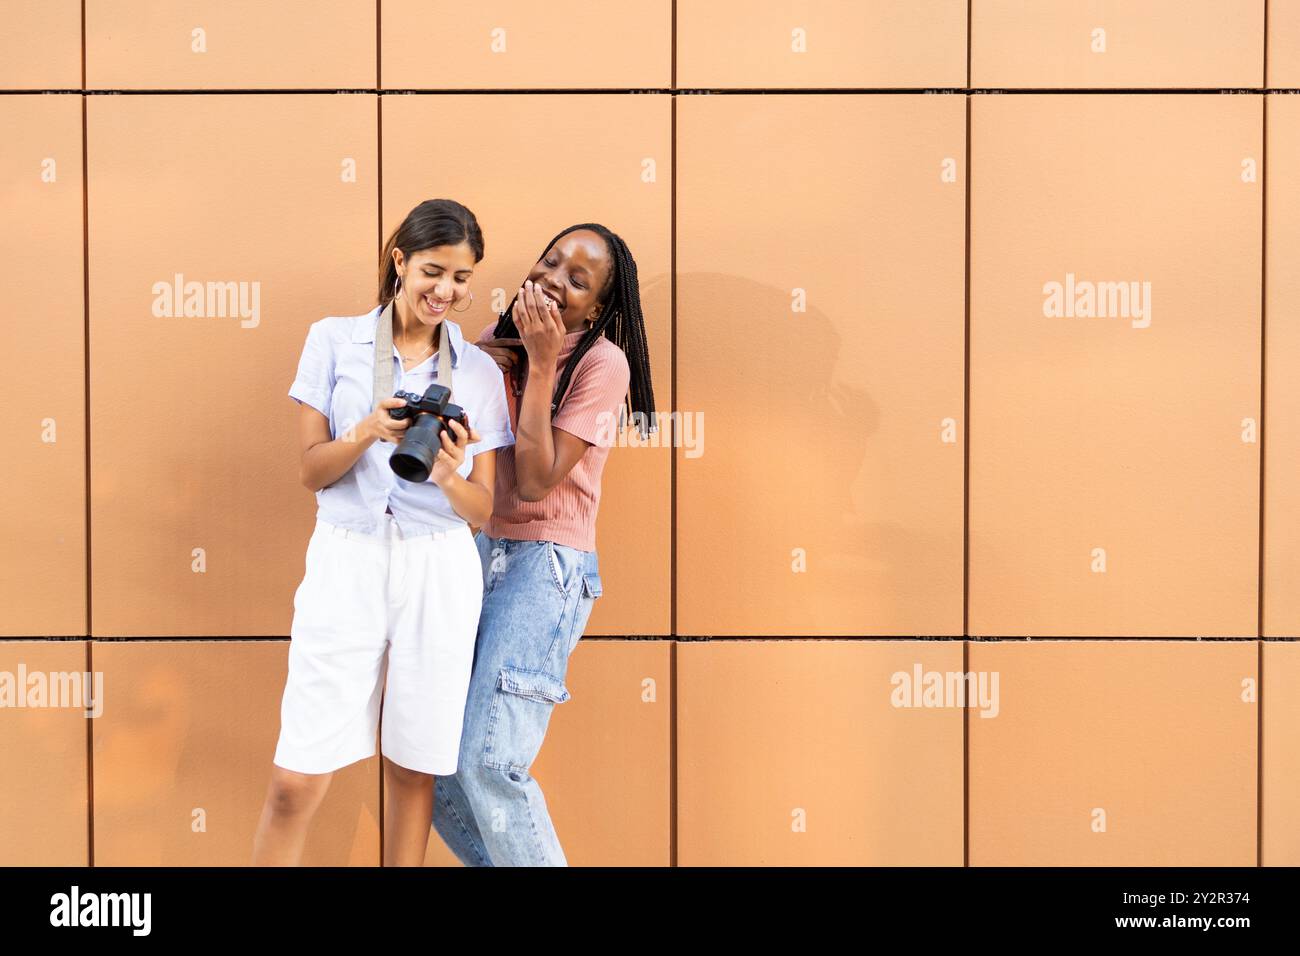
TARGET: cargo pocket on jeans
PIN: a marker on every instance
(521, 710)
(591, 590)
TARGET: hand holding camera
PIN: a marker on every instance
(380, 424)
(452, 455)
(436, 434)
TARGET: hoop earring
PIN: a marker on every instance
(471, 302)
(397, 286)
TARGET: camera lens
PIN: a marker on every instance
(413, 458)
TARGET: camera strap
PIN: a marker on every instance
(384, 355)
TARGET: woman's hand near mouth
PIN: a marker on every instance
(538, 320)
(544, 454)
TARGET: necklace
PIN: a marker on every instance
(412, 358)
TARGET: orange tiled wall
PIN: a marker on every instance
(979, 317)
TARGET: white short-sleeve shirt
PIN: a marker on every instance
(336, 377)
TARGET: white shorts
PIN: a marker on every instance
(381, 613)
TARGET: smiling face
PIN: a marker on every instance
(434, 280)
(573, 272)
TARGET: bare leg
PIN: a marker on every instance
(291, 801)
(408, 808)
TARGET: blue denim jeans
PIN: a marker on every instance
(537, 596)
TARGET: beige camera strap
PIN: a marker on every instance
(384, 355)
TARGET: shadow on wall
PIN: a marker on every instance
(794, 450)
(183, 758)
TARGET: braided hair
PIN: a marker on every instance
(620, 321)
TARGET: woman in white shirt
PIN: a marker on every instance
(393, 586)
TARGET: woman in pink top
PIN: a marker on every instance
(572, 346)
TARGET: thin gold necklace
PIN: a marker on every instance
(411, 358)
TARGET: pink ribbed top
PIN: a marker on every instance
(589, 410)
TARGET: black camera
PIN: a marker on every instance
(413, 458)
